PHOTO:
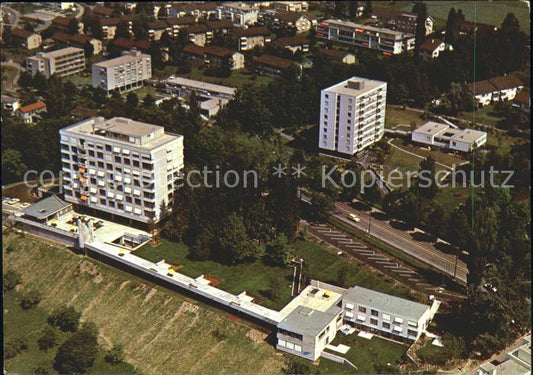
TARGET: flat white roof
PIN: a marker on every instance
(201, 85)
(120, 60)
(312, 297)
(397, 34)
(61, 52)
(431, 128)
(355, 86)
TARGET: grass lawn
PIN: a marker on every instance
(145, 90)
(79, 80)
(395, 116)
(504, 142)
(438, 155)
(161, 330)
(365, 353)
(433, 354)
(167, 71)
(238, 78)
(255, 277)
(491, 12)
(484, 115)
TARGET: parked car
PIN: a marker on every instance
(14, 200)
(354, 218)
(25, 204)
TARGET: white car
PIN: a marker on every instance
(24, 205)
(14, 200)
(354, 218)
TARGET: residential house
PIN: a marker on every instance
(218, 26)
(123, 73)
(30, 113)
(468, 28)
(156, 29)
(78, 40)
(385, 40)
(198, 34)
(213, 56)
(431, 48)
(299, 22)
(62, 24)
(128, 44)
(239, 13)
(522, 101)
(274, 66)
(206, 10)
(175, 24)
(495, 89)
(293, 43)
(251, 37)
(399, 20)
(336, 55)
(120, 166)
(352, 115)
(443, 136)
(63, 62)
(103, 11)
(10, 103)
(27, 39)
(291, 6)
(109, 25)
(81, 112)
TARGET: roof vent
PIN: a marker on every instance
(356, 85)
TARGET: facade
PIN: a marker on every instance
(109, 25)
(175, 24)
(62, 24)
(120, 166)
(396, 317)
(251, 37)
(516, 362)
(123, 73)
(293, 43)
(212, 97)
(28, 39)
(352, 115)
(385, 40)
(240, 14)
(214, 57)
(336, 55)
(78, 40)
(179, 9)
(495, 89)
(156, 29)
(431, 48)
(63, 62)
(299, 22)
(443, 136)
(291, 6)
(198, 34)
(28, 112)
(399, 20)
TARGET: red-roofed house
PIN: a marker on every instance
(338, 56)
(300, 22)
(103, 11)
(175, 24)
(77, 40)
(495, 89)
(29, 112)
(27, 39)
(293, 43)
(156, 29)
(431, 48)
(198, 34)
(62, 24)
(273, 66)
(252, 37)
(522, 101)
(213, 56)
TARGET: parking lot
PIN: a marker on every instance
(382, 262)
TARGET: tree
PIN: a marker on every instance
(13, 168)
(280, 252)
(420, 9)
(140, 27)
(11, 280)
(43, 368)
(321, 206)
(66, 318)
(78, 353)
(275, 291)
(14, 347)
(25, 80)
(88, 48)
(427, 188)
(123, 30)
(452, 27)
(40, 82)
(148, 101)
(48, 340)
(368, 9)
(115, 354)
(73, 25)
(234, 241)
(30, 298)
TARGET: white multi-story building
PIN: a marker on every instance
(120, 166)
(123, 73)
(352, 115)
(240, 13)
(63, 62)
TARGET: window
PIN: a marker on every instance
(138, 201)
(410, 332)
(118, 159)
(374, 322)
(101, 164)
(109, 166)
(386, 325)
(374, 312)
(100, 155)
(108, 148)
(91, 153)
(362, 309)
(128, 199)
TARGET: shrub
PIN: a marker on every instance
(66, 318)
(48, 340)
(11, 247)
(11, 280)
(30, 298)
(115, 354)
(219, 335)
(78, 353)
(14, 347)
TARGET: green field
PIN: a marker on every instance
(161, 331)
(490, 12)
(484, 115)
(238, 78)
(256, 277)
(438, 155)
(366, 353)
(395, 116)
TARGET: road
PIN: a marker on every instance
(402, 240)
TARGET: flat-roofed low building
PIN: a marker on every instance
(124, 73)
(387, 41)
(120, 166)
(389, 315)
(47, 209)
(63, 62)
(443, 136)
(515, 362)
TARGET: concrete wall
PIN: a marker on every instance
(43, 230)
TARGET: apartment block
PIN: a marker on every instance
(120, 166)
(251, 37)
(28, 39)
(352, 115)
(387, 41)
(400, 20)
(123, 73)
(240, 13)
(63, 62)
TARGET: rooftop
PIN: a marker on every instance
(468, 135)
(274, 61)
(308, 322)
(252, 31)
(381, 12)
(523, 98)
(506, 82)
(45, 207)
(186, 20)
(355, 86)
(21, 33)
(382, 30)
(430, 44)
(133, 55)
(201, 85)
(333, 53)
(386, 303)
(292, 41)
(33, 107)
(432, 128)
(102, 10)
(313, 297)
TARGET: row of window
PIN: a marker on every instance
(290, 345)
